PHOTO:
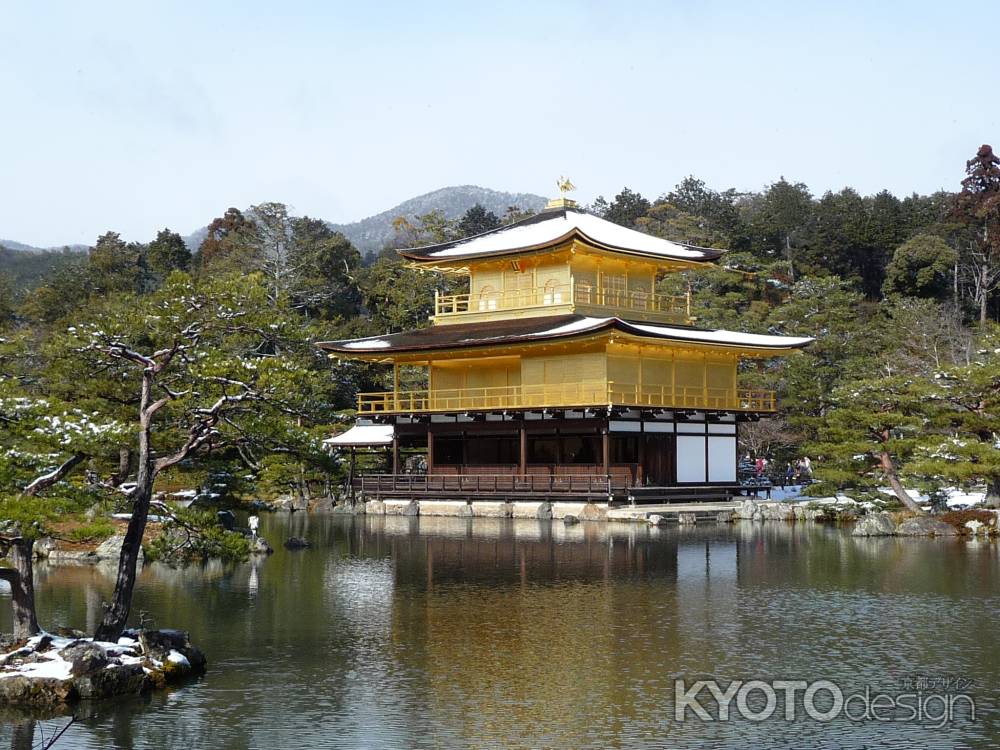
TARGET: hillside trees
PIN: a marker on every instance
(921, 267)
(627, 208)
(776, 219)
(978, 207)
(117, 266)
(167, 253)
(303, 260)
(719, 212)
(663, 219)
(7, 307)
(476, 221)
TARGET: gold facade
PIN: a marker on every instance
(568, 280)
(606, 369)
(596, 373)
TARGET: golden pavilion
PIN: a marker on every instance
(562, 372)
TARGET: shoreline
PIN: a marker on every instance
(865, 521)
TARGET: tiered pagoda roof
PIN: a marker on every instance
(547, 329)
(555, 227)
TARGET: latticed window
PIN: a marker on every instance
(613, 288)
(552, 293)
(487, 299)
(517, 288)
(584, 292)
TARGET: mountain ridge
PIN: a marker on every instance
(372, 233)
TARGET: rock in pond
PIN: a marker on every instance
(594, 512)
(259, 546)
(297, 542)
(875, 524)
(925, 526)
(111, 549)
(85, 656)
(570, 520)
(49, 671)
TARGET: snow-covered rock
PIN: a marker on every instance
(52, 670)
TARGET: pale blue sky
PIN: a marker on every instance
(137, 115)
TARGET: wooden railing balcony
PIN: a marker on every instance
(488, 484)
(598, 393)
(568, 297)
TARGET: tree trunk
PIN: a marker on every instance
(955, 282)
(22, 588)
(897, 487)
(788, 254)
(984, 295)
(124, 466)
(116, 615)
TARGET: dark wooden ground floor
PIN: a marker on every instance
(585, 453)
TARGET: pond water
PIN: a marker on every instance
(394, 632)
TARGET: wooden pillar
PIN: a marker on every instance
(350, 474)
(522, 464)
(704, 381)
(395, 455)
(395, 386)
(430, 450)
(640, 474)
(606, 451)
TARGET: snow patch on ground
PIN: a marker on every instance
(960, 499)
(954, 497)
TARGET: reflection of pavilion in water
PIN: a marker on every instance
(516, 627)
(431, 550)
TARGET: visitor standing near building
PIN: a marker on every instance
(807, 468)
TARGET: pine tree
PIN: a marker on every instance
(476, 221)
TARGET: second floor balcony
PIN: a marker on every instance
(559, 299)
(567, 395)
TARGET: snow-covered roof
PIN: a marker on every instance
(520, 331)
(554, 227)
(363, 434)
